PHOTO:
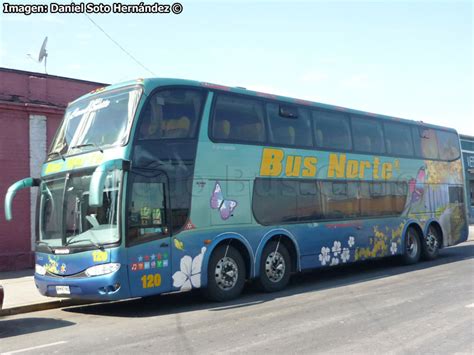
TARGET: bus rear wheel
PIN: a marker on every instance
(431, 241)
(275, 267)
(225, 275)
(412, 251)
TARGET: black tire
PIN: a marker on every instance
(221, 285)
(275, 267)
(412, 250)
(431, 242)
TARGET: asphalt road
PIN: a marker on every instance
(372, 307)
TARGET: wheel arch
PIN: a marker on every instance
(288, 239)
(239, 242)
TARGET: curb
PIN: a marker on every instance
(41, 307)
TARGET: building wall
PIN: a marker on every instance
(31, 108)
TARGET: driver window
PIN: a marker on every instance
(147, 209)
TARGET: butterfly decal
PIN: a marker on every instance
(416, 186)
(225, 207)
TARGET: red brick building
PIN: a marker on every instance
(31, 108)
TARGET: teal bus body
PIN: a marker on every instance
(209, 200)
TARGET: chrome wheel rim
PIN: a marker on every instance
(275, 266)
(431, 242)
(412, 245)
(226, 273)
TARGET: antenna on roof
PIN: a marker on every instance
(43, 54)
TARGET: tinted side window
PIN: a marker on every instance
(398, 139)
(448, 145)
(332, 130)
(339, 199)
(274, 201)
(171, 114)
(294, 131)
(382, 198)
(309, 201)
(238, 119)
(368, 135)
(426, 144)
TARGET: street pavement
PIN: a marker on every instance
(371, 307)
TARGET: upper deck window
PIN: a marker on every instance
(332, 130)
(368, 135)
(398, 139)
(448, 145)
(290, 127)
(238, 119)
(171, 114)
(102, 120)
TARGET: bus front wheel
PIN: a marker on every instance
(412, 251)
(225, 275)
(275, 267)
(431, 242)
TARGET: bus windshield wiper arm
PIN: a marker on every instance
(58, 153)
(72, 241)
(88, 145)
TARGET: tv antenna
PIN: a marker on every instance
(43, 54)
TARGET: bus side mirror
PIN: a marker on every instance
(13, 189)
(96, 189)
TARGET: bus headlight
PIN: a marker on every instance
(40, 269)
(102, 269)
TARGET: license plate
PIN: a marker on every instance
(63, 290)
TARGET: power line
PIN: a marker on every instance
(118, 45)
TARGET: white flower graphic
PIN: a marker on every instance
(336, 249)
(345, 255)
(334, 261)
(190, 274)
(351, 241)
(324, 256)
(393, 248)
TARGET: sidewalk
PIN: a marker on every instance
(21, 295)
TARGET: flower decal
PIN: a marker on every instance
(190, 274)
(351, 241)
(324, 257)
(393, 248)
(345, 255)
(334, 261)
(336, 249)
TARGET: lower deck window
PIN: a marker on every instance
(280, 201)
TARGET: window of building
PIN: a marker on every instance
(289, 129)
(398, 139)
(332, 130)
(238, 119)
(368, 135)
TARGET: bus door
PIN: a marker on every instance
(148, 234)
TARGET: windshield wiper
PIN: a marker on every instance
(72, 241)
(45, 244)
(88, 145)
(57, 153)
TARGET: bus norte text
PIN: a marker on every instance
(276, 163)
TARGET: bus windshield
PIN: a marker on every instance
(66, 217)
(100, 121)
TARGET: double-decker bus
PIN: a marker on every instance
(163, 185)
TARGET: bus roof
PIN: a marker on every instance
(150, 84)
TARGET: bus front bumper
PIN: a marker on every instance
(108, 287)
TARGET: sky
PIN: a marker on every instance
(410, 59)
